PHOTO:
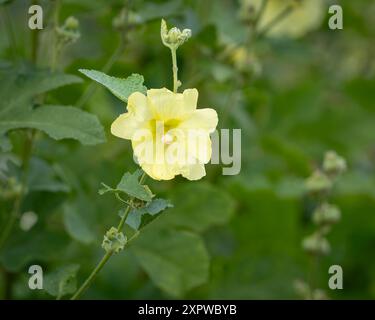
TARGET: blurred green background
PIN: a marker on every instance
(227, 237)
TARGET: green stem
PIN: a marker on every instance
(56, 45)
(8, 25)
(27, 149)
(174, 69)
(11, 221)
(106, 257)
(34, 40)
(92, 276)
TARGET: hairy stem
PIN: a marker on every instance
(106, 257)
(174, 69)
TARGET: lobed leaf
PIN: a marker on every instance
(139, 218)
(131, 186)
(122, 88)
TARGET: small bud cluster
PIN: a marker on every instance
(174, 37)
(304, 290)
(10, 188)
(114, 241)
(69, 31)
(126, 19)
(325, 215)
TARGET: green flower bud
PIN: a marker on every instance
(69, 31)
(72, 23)
(174, 37)
(315, 244)
(114, 241)
(318, 182)
(333, 164)
(326, 214)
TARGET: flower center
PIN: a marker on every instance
(161, 129)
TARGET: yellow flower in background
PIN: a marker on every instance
(169, 135)
(305, 15)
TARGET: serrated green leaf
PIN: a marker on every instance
(139, 218)
(176, 261)
(131, 186)
(62, 281)
(59, 122)
(122, 88)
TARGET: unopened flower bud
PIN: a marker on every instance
(69, 31)
(318, 182)
(114, 241)
(174, 37)
(333, 164)
(72, 23)
(326, 214)
(315, 244)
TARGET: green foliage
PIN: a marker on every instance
(211, 208)
(121, 88)
(130, 185)
(293, 100)
(141, 217)
(62, 281)
(175, 260)
(43, 177)
(59, 122)
(77, 226)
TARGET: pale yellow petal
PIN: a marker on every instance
(138, 106)
(124, 126)
(193, 172)
(204, 119)
(199, 146)
(160, 171)
(165, 104)
(190, 100)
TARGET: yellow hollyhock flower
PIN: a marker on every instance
(169, 135)
(305, 16)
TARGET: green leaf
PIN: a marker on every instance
(139, 218)
(43, 177)
(76, 226)
(176, 261)
(62, 281)
(200, 206)
(122, 88)
(34, 245)
(59, 122)
(131, 186)
(19, 87)
(5, 144)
